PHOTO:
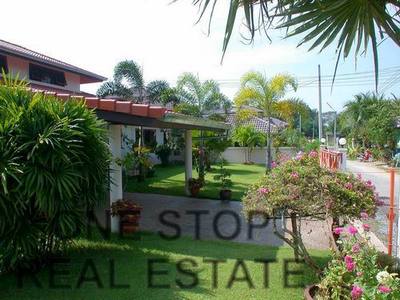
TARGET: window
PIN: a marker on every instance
(46, 75)
(3, 64)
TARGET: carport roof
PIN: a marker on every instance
(134, 114)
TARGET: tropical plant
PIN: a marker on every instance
(163, 152)
(350, 24)
(223, 175)
(369, 119)
(128, 82)
(199, 98)
(301, 188)
(355, 271)
(249, 137)
(157, 91)
(259, 92)
(205, 96)
(54, 163)
(290, 110)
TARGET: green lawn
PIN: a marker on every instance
(131, 268)
(170, 180)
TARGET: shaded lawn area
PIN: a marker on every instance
(170, 180)
(131, 268)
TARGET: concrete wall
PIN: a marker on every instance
(258, 155)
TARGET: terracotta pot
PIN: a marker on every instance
(310, 291)
(225, 194)
(127, 228)
(131, 218)
(194, 190)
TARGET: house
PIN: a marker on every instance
(259, 122)
(63, 81)
(44, 72)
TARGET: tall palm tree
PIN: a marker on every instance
(199, 98)
(259, 92)
(349, 23)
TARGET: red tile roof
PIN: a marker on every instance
(17, 50)
(126, 107)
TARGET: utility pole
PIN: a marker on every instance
(334, 125)
(319, 105)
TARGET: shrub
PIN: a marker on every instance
(355, 273)
(300, 188)
(54, 163)
(163, 152)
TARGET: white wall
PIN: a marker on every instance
(258, 155)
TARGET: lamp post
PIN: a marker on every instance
(334, 125)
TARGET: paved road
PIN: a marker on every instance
(380, 178)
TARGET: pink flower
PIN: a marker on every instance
(348, 185)
(359, 176)
(299, 156)
(384, 289)
(359, 274)
(356, 292)
(263, 191)
(364, 215)
(338, 230)
(273, 164)
(352, 230)
(369, 184)
(350, 264)
(294, 175)
(313, 154)
(366, 227)
(356, 248)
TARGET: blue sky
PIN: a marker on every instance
(163, 39)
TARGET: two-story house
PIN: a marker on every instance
(43, 72)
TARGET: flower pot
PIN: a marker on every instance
(127, 228)
(310, 292)
(225, 195)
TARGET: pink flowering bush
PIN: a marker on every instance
(355, 272)
(300, 188)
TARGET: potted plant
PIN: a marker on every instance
(163, 152)
(129, 213)
(223, 177)
(195, 184)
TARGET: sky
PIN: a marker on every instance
(164, 39)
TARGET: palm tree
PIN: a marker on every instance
(259, 92)
(128, 82)
(199, 98)
(203, 96)
(348, 23)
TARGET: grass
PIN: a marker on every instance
(170, 180)
(131, 268)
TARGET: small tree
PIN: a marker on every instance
(300, 188)
(249, 137)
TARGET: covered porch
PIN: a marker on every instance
(124, 113)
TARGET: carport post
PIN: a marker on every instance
(188, 159)
(115, 170)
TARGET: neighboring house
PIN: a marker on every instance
(44, 72)
(258, 122)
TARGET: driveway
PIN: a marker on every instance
(214, 220)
